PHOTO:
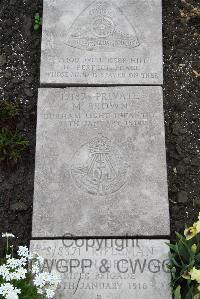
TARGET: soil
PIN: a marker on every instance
(182, 110)
(19, 81)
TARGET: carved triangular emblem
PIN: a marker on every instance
(99, 167)
(102, 26)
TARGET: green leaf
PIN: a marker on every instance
(173, 261)
(179, 236)
(37, 16)
(11, 145)
(197, 257)
(190, 294)
(184, 251)
(36, 27)
(37, 22)
(198, 238)
(172, 247)
(177, 293)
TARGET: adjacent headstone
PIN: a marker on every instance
(102, 269)
(100, 163)
(102, 42)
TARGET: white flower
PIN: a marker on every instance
(7, 235)
(23, 262)
(23, 251)
(8, 291)
(13, 270)
(40, 291)
(40, 259)
(4, 272)
(45, 280)
(30, 257)
(12, 263)
(41, 279)
(15, 263)
(52, 279)
(50, 293)
(35, 268)
(19, 274)
(55, 278)
(37, 263)
(17, 269)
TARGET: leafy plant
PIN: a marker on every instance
(23, 277)
(37, 22)
(185, 263)
(8, 110)
(11, 145)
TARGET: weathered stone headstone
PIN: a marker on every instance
(102, 269)
(100, 163)
(102, 42)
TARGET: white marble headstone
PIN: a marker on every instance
(107, 269)
(100, 163)
(102, 42)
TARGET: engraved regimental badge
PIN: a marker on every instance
(99, 168)
(102, 26)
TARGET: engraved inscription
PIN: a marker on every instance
(99, 168)
(102, 26)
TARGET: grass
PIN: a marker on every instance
(8, 111)
(11, 146)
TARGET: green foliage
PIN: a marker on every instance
(37, 22)
(185, 264)
(8, 110)
(177, 293)
(11, 145)
(28, 290)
